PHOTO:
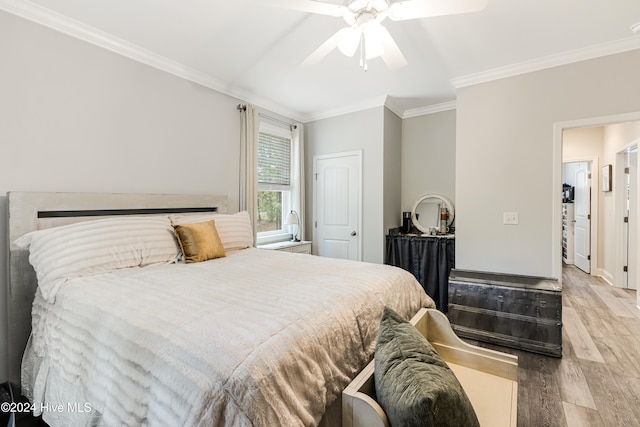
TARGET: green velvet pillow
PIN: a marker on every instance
(414, 385)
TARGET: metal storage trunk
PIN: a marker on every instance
(522, 312)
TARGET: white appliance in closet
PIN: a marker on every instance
(568, 245)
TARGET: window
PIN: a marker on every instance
(274, 182)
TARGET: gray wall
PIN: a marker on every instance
(362, 130)
(428, 157)
(505, 156)
(392, 171)
(75, 117)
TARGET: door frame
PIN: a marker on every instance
(556, 193)
(358, 154)
(620, 277)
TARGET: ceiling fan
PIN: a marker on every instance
(364, 19)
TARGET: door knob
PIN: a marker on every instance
(353, 233)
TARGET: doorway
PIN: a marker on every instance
(606, 237)
(576, 182)
(337, 192)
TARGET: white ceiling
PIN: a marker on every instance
(251, 50)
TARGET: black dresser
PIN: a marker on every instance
(429, 258)
(522, 312)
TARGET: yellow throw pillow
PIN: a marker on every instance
(199, 241)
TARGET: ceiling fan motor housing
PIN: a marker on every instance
(363, 11)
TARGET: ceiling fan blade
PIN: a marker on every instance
(310, 6)
(414, 9)
(324, 49)
(392, 56)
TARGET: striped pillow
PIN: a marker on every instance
(234, 229)
(90, 247)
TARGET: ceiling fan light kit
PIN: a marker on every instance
(349, 42)
(365, 17)
(367, 33)
(373, 34)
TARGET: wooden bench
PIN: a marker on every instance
(490, 378)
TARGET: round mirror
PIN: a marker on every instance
(426, 212)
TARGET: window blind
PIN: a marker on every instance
(274, 159)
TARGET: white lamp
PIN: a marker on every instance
(293, 219)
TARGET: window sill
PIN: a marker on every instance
(274, 238)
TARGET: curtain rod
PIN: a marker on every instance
(242, 107)
(264, 116)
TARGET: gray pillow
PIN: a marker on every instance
(413, 384)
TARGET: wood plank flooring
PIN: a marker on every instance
(597, 380)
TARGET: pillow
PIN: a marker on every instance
(414, 386)
(90, 247)
(234, 229)
(199, 241)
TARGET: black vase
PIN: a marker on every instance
(406, 222)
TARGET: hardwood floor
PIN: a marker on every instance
(597, 380)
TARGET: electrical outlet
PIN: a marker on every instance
(510, 218)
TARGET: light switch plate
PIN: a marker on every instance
(510, 218)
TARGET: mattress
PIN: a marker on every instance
(258, 338)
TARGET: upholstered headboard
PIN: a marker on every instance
(35, 211)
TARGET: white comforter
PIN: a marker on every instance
(259, 338)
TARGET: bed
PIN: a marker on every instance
(255, 337)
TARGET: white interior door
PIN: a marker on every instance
(582, 210)
(337, 205)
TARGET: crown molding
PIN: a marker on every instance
(394, 107)
(429, 109)
(603, 49)
(78, 30)
(377, 101)
(48, 18)
(387, 102)
(263, 104)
